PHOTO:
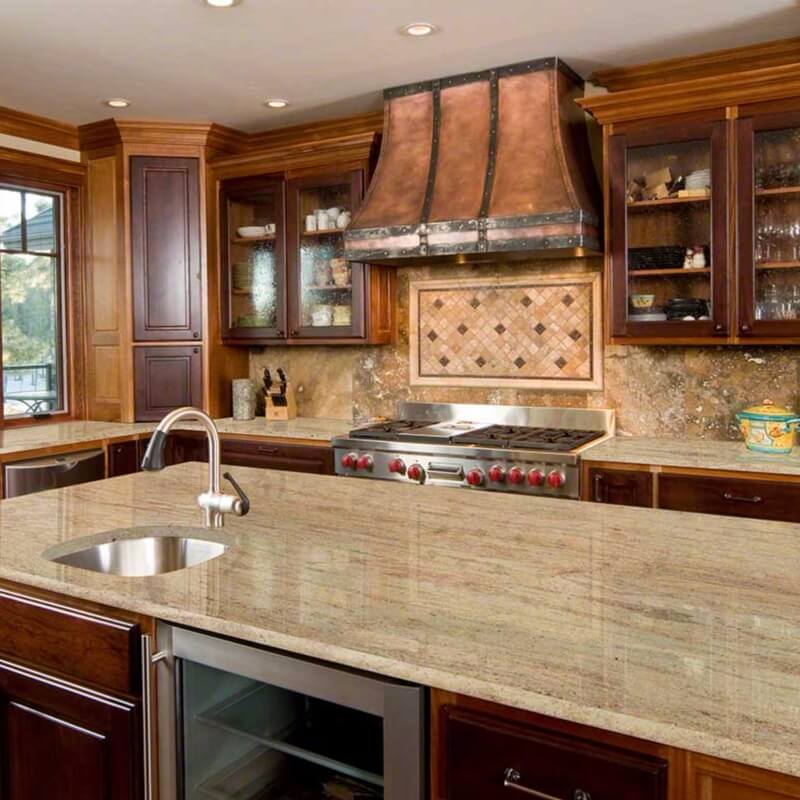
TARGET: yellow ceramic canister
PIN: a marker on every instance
(768, 428)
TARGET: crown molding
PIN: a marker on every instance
(368, 123)
(719, 62)
(718, 91)
(38, 129)
(21, 164)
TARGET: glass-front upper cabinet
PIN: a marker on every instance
(252, 252)
(769, 225)
(326, 292)
(668, 218)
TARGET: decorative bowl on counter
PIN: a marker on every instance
(768, 428)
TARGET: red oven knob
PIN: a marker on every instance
(535, 477)
(497, 474)
(415, 472)
(556, 479)
(516, 475)
(349, 460)
(397, 465)
(364, 462)
(475, 477)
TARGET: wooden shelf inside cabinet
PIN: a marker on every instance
(668, 201)
(683, 271)
(253, 239)
(327, 288)
(777, 191)
(326, 232)
(778, 265)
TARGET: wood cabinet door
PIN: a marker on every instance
(59, 740)
(620, 487)
(166, 249)
(122, 458)
(714, 779)
(326, 293)
(768, 150)
(166, 378)
(649, 237)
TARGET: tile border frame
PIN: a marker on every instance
(593, 279)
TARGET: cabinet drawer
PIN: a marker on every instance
(483, 752)
(731, 496)
(268, 455)
(620, 487)
(83, 646)
(122, 458)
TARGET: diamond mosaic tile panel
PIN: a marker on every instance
(534, 333)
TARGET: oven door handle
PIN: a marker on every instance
(452, 471)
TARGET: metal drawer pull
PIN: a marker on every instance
(512, 778)
(269, 450)
(598, 494)
(739, 499)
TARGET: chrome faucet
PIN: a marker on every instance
(214, 503)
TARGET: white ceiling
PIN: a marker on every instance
(183, 60)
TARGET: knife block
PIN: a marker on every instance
(280, 407)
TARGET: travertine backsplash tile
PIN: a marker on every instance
(658, 391)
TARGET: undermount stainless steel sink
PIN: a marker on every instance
(141, 551)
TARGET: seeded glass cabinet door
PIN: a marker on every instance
(668, 200)
(326, 292)
(252, 254)
(769, 225)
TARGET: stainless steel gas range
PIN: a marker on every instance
(519, 449)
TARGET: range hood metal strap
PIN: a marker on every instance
(436, 135)
(488, 183)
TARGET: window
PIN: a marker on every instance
(31, 285)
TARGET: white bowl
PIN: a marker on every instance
(251, 231)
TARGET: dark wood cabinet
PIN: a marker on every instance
(715, 779)
(123, 458)
(59, 740)
(70, 700)
(768, 210)
(166, 378)
(271, 455)
(652, 297)
(284, 278)
(625, 487)
(731, 496)
(166, 249)
(487, 752)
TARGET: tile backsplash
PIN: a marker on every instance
(656, 391)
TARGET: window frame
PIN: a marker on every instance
(45, 174)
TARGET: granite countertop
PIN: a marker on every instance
(674, 627)
(695, 453)
(22, 440)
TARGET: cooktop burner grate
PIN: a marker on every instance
(522, 438)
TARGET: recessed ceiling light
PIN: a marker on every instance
(118, 102)
(276, 102)
(222, 3)
(419, 29)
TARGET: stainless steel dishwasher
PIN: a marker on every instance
(52, 472)
(245, 722)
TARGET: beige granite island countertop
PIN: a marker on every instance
(310, 428)
(679, 628)
(693, 453)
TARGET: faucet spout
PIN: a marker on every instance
(214, 504)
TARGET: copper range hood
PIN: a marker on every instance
(487, 166)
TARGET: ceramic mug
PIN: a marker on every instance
(333, 213)
(323, 220)
(270, 228)
(311, 222)
(343, 220)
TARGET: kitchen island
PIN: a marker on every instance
(673, 627)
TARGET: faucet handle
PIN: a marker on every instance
(245, 506)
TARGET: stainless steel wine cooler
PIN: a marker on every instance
(240, 722)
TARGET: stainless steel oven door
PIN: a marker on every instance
(235, 719)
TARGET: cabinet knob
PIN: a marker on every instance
(279, 333)
(719, 328)
(744, 328)
(195, 350)
(195, 335)
(295, 332)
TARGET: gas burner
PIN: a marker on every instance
(518, 437)
(390, 430)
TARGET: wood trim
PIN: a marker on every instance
(369, 123)
(38, 129)
(702, 772)
(718, 62)
(718, 91)
(20, 165)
